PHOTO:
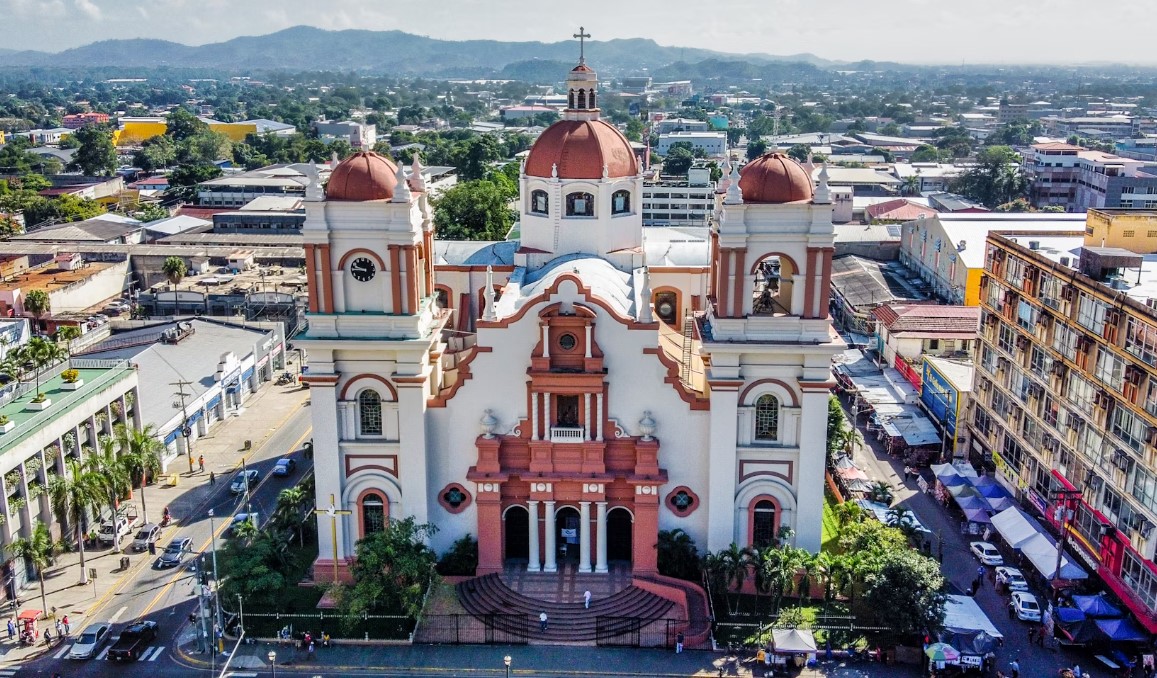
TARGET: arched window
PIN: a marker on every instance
(763, 524)
(767, 418)
(373, 514)
(370, 413)
(582, 99)
(580, 205)
(620, 202)
(443, 299)
(539, 202)
(592, 101)
(570, 99)
(667, 307)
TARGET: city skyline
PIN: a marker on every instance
(908, 31)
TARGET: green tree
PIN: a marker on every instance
(473, 210)
(756, 148)
(174, 269)
(289, 503)
(1018, 205)
(837, 424)
(204, 148)
(995, 179)
(97, 156)
(190, 175)
(111, 477)
(891, 130)
(156, 153)
(475, 155)
(801, 152)
(255, 565)
(140, 453)
(72, 495)
(37, 550)
(736, 564)
(926, 153)
(635, 130)
(910, 185)
(181, 124)
(462, 558)
(9, 226)
(392, 569)
(678, 556)
(679, 159)
(909, 587)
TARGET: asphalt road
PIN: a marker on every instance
(167, 596)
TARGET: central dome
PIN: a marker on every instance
(774, 178)
(363, 176)
(580, 149)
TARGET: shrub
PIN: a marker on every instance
(461, 560)
(70, 375)
(4, 420)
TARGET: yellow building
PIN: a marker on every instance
(135, 131)
(1131, 229)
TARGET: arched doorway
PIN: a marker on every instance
(763, 524)
(569, 533)
(619, 534)
(516, 523)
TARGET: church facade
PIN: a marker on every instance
(565, 396)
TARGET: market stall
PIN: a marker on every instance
(797, 646)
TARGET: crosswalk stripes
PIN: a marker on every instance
(104, 652)
(7, 672)
(159, 651)
(63, 651)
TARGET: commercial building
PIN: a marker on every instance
(267, 214)
(669, 125)
(1108, 180)
(929, 177)
(1066, 397)
(713, 144)
(679, 203)
(360, 135)
(945, 394)
(1114, 125)
(904, 334)
(236, 190)
(78, 120)
(1052, 169)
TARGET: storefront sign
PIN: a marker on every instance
(1038, 502)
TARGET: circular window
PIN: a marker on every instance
(682, 501)
(454, 498)
(567, 342)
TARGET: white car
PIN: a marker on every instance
(986, 553)
(1011, 578)
(90, 641)
(1025, 606)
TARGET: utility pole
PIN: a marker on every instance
(186, 430)
(216, 575)
(1064, 500)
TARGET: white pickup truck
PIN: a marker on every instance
(121, 526)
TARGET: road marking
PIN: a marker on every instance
(113, 619)
(9, 672)
(63, 651)
(104, 652)
(156, 655)
(234, 674)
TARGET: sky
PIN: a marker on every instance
(912, 31)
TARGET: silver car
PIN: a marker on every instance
(148, 534)
(90, 641)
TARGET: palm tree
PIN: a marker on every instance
(65, 334)
(36, 354)
(72, 495)
(37, 550)
(881, 492)
(848, 438)
(111, 477)
(910, 185)
(289, 503)
(736, 563)
(37, 303)
(904, 519)
(244, 530)
(848, 512)
(809, 571)
(174, 269)
(780, 567)
(141, 454)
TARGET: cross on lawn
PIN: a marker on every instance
(582, 35)
(333, 512)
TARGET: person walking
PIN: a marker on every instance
(542, 619)
(201, 462)
(11, 629)
(679, 643)
(1014, 666)
(587, 599)
(309, 653)
(67, 630)
(980, 573)
(212, 478)
(59, 629)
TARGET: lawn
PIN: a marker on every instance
(831, 529)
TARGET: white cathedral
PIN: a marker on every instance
(566, 395)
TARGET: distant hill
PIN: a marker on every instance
(304, 48)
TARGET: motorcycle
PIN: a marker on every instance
(166, 519)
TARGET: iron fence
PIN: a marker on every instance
(465, 629)
(637, 631)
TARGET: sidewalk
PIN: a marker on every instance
(264, 412)
(526, 660)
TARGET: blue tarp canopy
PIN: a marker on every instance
(1121, 630)
(1096, 606)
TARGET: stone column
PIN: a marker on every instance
(599, 417)
(589, 347)
(551, 532)
(601, 535)
(545, 341)
(546, 421)
(722, 466)
(812, 453)
(584, 536)
(534, 563)
(534, 416)
(587, 427)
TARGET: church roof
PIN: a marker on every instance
(605, 281)
(474, 252)
(581, 149)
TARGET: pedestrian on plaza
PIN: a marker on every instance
(212, 478)
(201, 462)
(980, 573)
(1040, 635)
(679, 643)
(67, 630)
(324, 639)
(907, 473)
(1077, 671)
(59, 629)
(587, 599)
(310, 652)
(542, 620)
(1014, 666)
(11, 629)
(1031, 635)
(47, 636)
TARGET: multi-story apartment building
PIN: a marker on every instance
(78, 120)
(1065, 397)
(1115, 125)
(679, 203)
(1052, 169)
(713, 144)
(1108, 180)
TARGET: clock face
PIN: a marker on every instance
(362, 269)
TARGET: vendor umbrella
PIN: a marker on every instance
(942, 652)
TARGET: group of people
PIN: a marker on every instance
(28, 634)
(309, 643)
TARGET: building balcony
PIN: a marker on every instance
(567, 434)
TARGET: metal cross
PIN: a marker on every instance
(582, 35)
(333, 512)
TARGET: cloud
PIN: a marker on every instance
(89, 9)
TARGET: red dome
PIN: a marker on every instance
(774, 178)
(362, 176)
(580, 148)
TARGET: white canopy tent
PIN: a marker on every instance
(1042, 551)
(1015, 526)
(961, 613)
(793, 641)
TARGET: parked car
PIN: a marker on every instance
(148, 534)
(90, 641)
(244, 481)
(284, 467)
(1025, 606)
(986, 553)
(120, 526)
(1011, 578)
(174, 553)
(237, 519)
(133, 642)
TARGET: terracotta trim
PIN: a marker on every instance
(472, 269)
(359, 509)
(375, 377)
(580, 311)
(809, 285)
(787, 387)
(360, 250)
(463, 367)
(320, 379)
(744, 475)
(412, 273)
(723, 288)
(696, 303)
(411, 381)
(817, 385)
(450, 508)
(396, 278)
(327, 279)
(826, 282)
(751, 516)
(311, 277)
(671, 507)
(738, 302)
(350, 470)
(795, 270)
(696, 401)
(724, 385)
(553, 289)
(426, 255)
(465, 313)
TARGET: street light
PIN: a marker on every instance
(216, 580)
(273, 663)
(506, 660)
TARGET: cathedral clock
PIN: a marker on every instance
(362, 269)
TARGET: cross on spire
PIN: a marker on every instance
(582, 35)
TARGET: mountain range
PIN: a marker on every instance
(304, 48)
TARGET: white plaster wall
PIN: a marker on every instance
(109, 282)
